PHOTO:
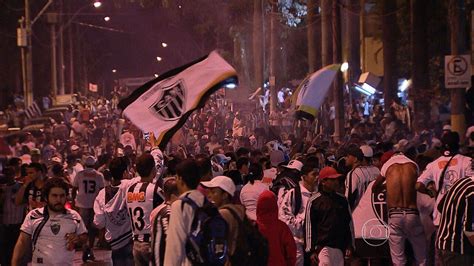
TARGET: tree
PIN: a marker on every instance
(419, 54)
(313, 24)
(389, 39)
(257, 43)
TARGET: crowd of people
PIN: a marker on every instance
(231, 189)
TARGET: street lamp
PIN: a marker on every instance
(156, 75)
(97, 4)
(164, 44)
(114, 70)
(107, 18)
(344, 67)
(158, 58)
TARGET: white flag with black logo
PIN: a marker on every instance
(163, 105)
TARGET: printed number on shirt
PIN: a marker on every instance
(89, 186)
(137, 215)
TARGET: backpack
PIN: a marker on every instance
(286, 180)
(207, 240)
(251, 246)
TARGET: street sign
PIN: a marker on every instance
(457, 71)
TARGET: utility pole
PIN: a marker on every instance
(314, 36)
(326, 59)
(28, 86)
(336, 59)
(52, 19)
(457, 29)
(257, 38)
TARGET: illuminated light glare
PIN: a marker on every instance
(114, 70)
(158, 58)
(368, 88)
(97, 4)
(231, 86)
(107, 18)
(359, 89)
(344, 67)
(405, 85)
(156, 75)
(164, 44)
(179, 6)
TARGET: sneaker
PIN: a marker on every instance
(87, 255)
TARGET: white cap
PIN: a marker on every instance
(295, 164)
(447, 127)
(367, 151)
(90, 160)
(401, 145)
(222, 182)
(469, 131)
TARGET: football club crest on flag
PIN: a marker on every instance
(163, 105)
(170, 106)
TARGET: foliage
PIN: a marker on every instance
(293, 11)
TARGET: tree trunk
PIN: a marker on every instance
(273, 57)
(389, 39)
(257, 44)
(337, 58)
(420, 91)
(326, 33)
(353, 39)
(314, 36)
(458, 47)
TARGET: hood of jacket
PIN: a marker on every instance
(267, 208)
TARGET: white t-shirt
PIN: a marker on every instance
(269, 175)
(360, 177)
(249, 196)
(49, 247)
(88, 183)
(459, 167)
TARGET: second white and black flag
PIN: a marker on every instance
(164, 104)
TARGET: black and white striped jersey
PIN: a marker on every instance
(142, 198)
(457, 217)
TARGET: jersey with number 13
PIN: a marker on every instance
(88, 183)
(142, 198)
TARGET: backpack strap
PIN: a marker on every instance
(441, 178)
(234, 214)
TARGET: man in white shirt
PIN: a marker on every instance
(52, 231)
(295, 218)
(452, 166)
(111, 213)
(358, 178)
(181, 215)
(86, 186)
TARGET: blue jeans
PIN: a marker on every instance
(123, 256)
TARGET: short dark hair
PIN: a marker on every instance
(311, 163)
(52, 183)
(170, 187)
(188, 170)
(36, 166)
(145, 164)
(117, 167)
(15, 161)
(204, 163)
(242, 151)
(241, 162)
(255, 173)
(450, 141)
(57, 169)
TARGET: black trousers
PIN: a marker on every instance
(9, 235)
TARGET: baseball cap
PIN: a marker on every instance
(222, 182)
(294, 164)
(328, 172)
(90, 160)
(367, 151)
(401, 145)
(35, 151)
(74, 148)
(56, 159)
(277, 157)
(447, 127)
